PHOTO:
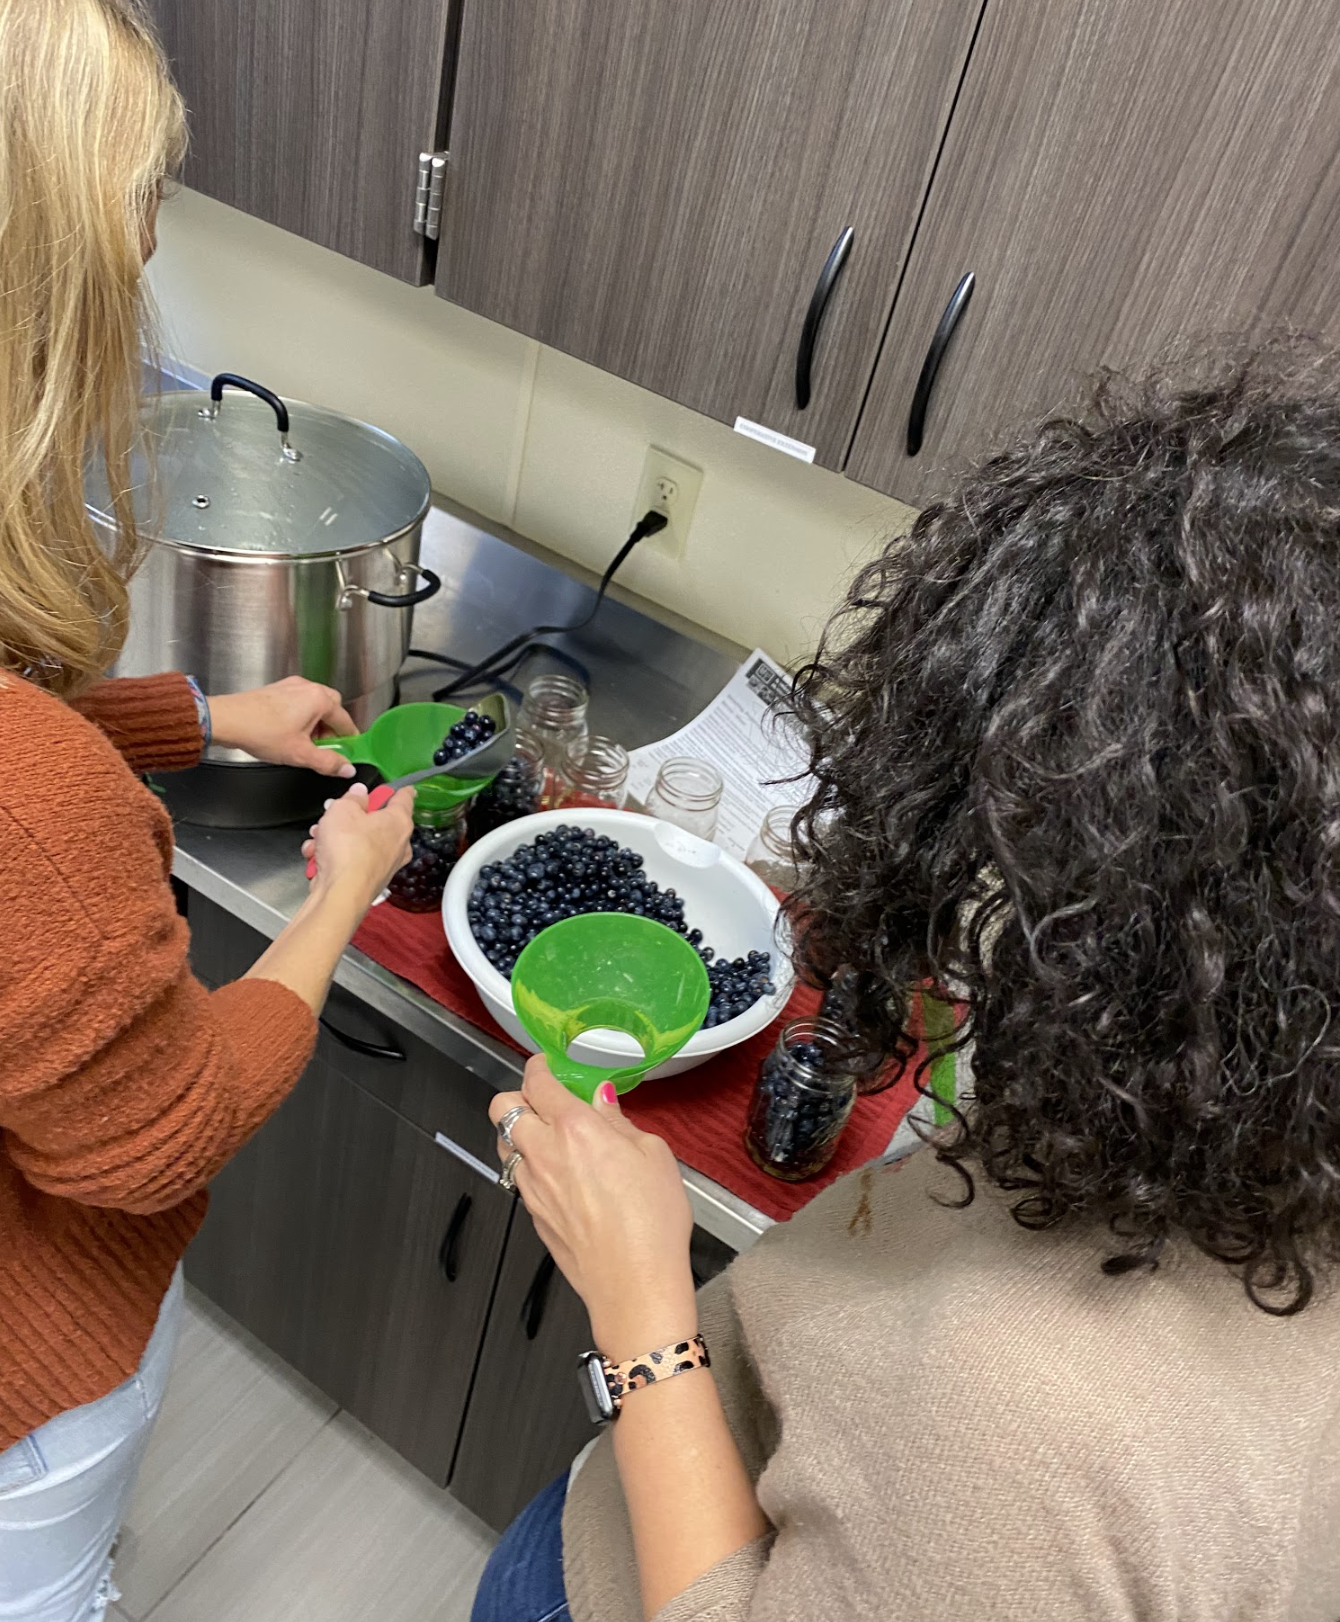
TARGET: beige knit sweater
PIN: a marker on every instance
(957, 1419)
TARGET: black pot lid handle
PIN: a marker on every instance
(231, 380)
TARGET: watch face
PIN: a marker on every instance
(595, 1388)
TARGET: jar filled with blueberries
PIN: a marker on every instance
(872, 1070)
(802, 1101)
(517, 791)
(437, 842)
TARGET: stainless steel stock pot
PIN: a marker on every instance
(284, 540)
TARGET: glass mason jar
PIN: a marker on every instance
(687, 792)
(872, 1070)
(437, 842)
(594, 773)
(554, 712)
(772, 855)
(517, 790)
(802, 1101)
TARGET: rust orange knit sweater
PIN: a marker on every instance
(124, 1084)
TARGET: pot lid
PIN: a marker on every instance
(247, 472)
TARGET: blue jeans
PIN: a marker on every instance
(523, 1581)
(64, 1488)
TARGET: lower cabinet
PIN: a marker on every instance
(363, 1253)
(352, 1238)
(527, 1421)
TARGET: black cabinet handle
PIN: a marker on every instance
(809, 333)
(230, 380)
(916, 421)
(449, 1251)
(407, 599)
(356, 1044)
(537, 1296)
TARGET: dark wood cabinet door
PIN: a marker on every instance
(527, 1420)
(363, 1253)
(311, 113)
(1119, 178)
(655, 188)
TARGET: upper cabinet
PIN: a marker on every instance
(1117, 179)
(659, 188)
(312, 113)
(893, 230)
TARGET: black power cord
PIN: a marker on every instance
(508, 656)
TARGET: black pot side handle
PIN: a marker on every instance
(814, 316)
(953, 312)
(408, 599)
(230, 380)
(449, 1252)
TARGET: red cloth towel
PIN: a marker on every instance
(701, 1114)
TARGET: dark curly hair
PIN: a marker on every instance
(1077, 741)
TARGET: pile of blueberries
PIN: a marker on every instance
(470, 732)
(737, 983)
(794, 1124)
(568, 871)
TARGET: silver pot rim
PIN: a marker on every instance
(289, 560)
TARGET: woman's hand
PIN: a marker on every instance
(609, 1203)
(361, 849)
(276, 724)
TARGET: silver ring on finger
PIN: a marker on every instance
(509, 1120)
(507, 1181)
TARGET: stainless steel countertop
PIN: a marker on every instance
(647, 679)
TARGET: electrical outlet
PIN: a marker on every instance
(671, 487)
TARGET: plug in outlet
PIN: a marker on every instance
(671, 487)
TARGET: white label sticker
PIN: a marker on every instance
(770, 436)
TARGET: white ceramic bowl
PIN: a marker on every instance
(735, 910)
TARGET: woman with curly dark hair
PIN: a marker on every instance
(1077, 742)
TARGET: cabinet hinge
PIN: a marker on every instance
(429, 194)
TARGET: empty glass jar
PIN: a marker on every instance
(593, 773)
(554, 712)
(687, 792)
(802, 1101)
(772, 855)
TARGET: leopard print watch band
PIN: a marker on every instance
(680, 1357)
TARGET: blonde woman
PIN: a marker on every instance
(124, 1085)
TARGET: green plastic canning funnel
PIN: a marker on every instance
(403, 740)
(609, 971)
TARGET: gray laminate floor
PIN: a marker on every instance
(261, 1502)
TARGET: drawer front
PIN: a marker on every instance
(412, 1078)
(360, 1043)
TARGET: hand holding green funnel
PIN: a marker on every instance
(609, 971)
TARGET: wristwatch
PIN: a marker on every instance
(605, 1384)
(201, 711)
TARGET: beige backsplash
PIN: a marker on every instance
(521, 433)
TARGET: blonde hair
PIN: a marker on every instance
(90, 126)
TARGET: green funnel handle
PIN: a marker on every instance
(358, 750)
(583, 1079)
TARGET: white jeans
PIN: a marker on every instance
(64, 1489)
